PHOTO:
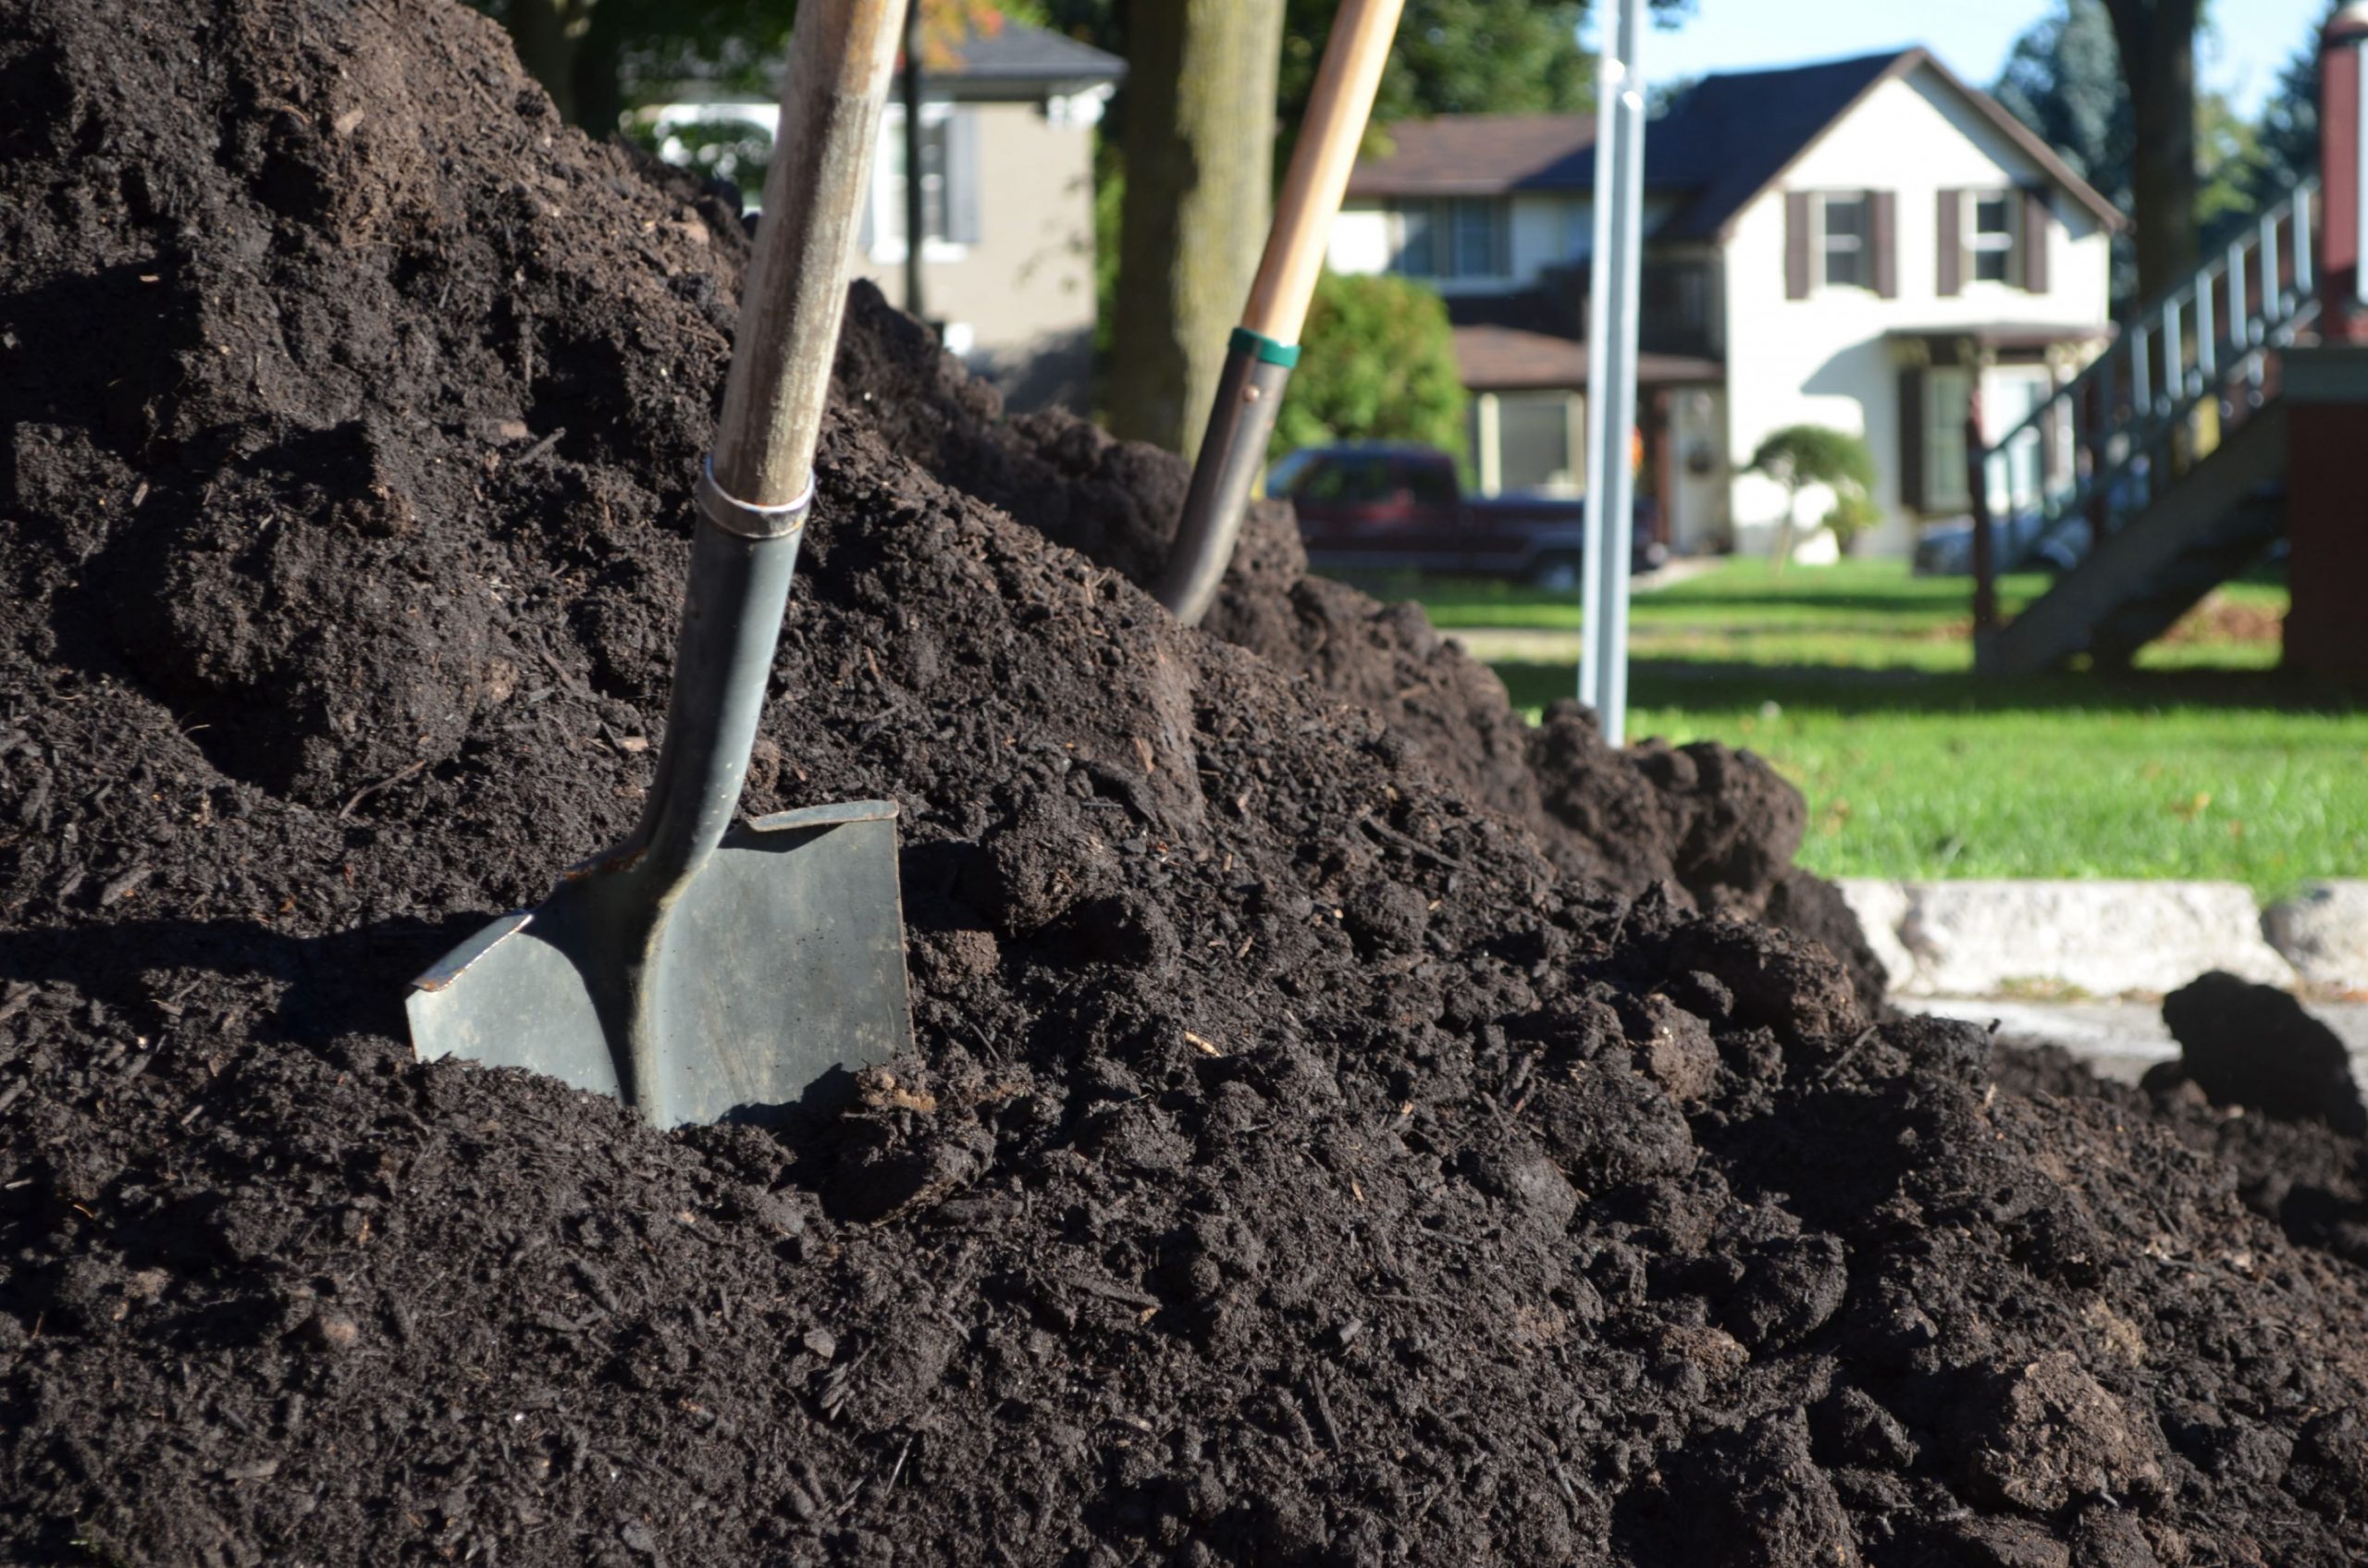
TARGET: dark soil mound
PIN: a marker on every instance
(1719, 826)
(2256, 1046)
(1298, 1165)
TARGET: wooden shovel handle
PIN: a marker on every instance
(1328, 138)
(842, 55)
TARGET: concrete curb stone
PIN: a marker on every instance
(2323, 931)
(2036, 938)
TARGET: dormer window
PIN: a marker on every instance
(1843, 230)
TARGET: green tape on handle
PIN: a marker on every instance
(1245, 342)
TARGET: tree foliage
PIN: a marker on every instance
(1453, 56)
(2285, 144)
(1378, 363)
(595, 57)
(2064, 79)
(1800, 455)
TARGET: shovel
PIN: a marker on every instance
(1258, 360)
(705, 968)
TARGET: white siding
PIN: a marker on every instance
(1359, 238)
(1542, 236)
(1824, 359)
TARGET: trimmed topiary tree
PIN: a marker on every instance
(1377, 364)
(1801, 456)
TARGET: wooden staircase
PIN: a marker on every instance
(2170, 450)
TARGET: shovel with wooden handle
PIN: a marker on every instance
(1264, 348)
(707, 966)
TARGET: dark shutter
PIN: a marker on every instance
(1796, 244)
(1911, 436)
(1951, 244)
(1883, 233)
(2034, 240)
(962, 177)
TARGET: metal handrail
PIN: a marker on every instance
(2169, 357)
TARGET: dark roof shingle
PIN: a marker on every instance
(1719, 145)
(1015, 52)
(1530, 340)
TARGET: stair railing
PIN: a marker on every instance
(2180, 373)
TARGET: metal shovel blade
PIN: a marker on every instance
(780, 961)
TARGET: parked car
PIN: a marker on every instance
(1946, 549)
(1386, 505)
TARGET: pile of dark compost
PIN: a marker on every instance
(1306, 1159)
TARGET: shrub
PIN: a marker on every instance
(1800, 455)
(1377, 364)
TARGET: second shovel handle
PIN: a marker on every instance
(1328, 139)
(842, 54)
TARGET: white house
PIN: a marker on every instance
(1007, 192)
(1850, 244)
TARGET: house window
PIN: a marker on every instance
(1463, 238)
(1946, 392)
(1990, 236)
(1842, 232)
(1675, 298)
(949, 175)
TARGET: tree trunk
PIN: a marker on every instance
(2157, 43)
(548, 33)
(599, 90)
(916, 206)
(1199, 144)
(1787, 529)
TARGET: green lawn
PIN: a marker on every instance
(1855, 681)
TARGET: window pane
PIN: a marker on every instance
(1846, 240)
(1989, 264)
(1414, 253)
(1535, 444)
(1991, 214)
(933, 160)
(1475, 240)
(1945, 393)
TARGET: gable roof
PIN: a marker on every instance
(1481, 155)
(1013, 62)
(1023, 56)
(1726, 139)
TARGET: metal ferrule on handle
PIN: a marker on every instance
(1264, 347)
(1250, 394)
(750, 520)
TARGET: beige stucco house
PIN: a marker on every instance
(1007, 195)
(1857, 243)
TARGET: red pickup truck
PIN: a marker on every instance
(1379, 506)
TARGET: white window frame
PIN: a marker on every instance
(887, 193)
(1943, 424)
(1861, 244)
(1444, 213)
(1978, 243)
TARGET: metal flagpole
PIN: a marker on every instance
(1611, 371)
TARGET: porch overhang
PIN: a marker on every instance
(1514, 358)
(2005, 339)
